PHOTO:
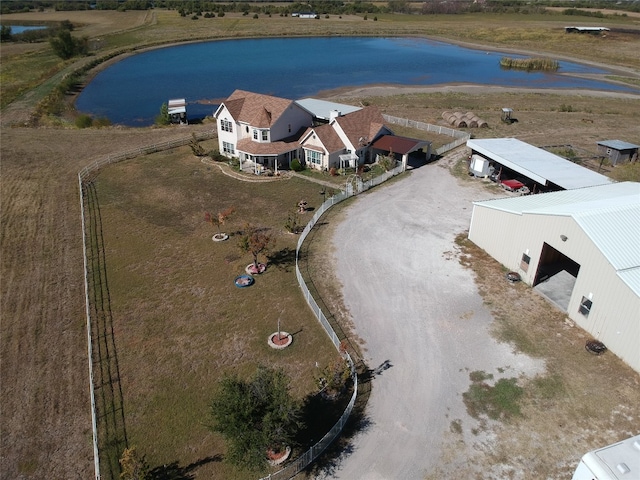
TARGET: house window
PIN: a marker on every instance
(265, 135)
(314, 157)
(228, 148)
(255, 134)
(585, 306)
(524, 263)
(226, 125)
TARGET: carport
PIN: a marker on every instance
(392, 144)
(544, 168)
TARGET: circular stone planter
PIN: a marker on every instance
(252, 270)
(242, 281)
(220, 237)
(277, 458)
(280, 341)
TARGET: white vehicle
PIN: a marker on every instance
(618, 461)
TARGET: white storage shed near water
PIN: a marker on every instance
(579, 248)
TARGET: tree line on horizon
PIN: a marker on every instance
(324, 7)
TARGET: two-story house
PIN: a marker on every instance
(261, 129)
(269, 132)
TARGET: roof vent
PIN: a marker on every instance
(622, 468)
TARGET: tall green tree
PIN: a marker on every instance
(255, 416)
(66, 46)
(5, 33)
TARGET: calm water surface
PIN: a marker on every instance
(132, 91)
(15, 29)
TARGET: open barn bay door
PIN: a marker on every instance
(556, 276)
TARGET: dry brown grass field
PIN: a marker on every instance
(44, 397)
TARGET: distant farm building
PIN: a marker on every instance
(305, 15)
(617, 151)
(591, 30)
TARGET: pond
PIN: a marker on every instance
(16, 29)
(132, 91)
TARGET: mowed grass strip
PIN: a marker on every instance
(180, 322)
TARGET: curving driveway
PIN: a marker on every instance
(421, 319)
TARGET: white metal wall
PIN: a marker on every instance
(615, 314)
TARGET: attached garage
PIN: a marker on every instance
(580, 249)
(413, 152)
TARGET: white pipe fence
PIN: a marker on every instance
(94, 423)
(83, 175)
(460, 137)
(352, 188)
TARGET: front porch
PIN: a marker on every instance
(266, 164)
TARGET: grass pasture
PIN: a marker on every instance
(179, 321)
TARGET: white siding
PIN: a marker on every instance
(229, 137)
(294, 117)
(615, 314)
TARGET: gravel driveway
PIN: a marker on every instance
(422, 322)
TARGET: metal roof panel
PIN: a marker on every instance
(608, 214)
(536, 163)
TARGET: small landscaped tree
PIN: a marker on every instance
(388, 162)
(334, 377)
(197, 149)
(133, 466)
(255, 416)
(255, 241)
(219, 219)
(292, 225)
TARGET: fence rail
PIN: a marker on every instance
(354, 187)
(83, 175)
(145, 150)
(460, 136)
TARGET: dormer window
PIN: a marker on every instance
(260, 135)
